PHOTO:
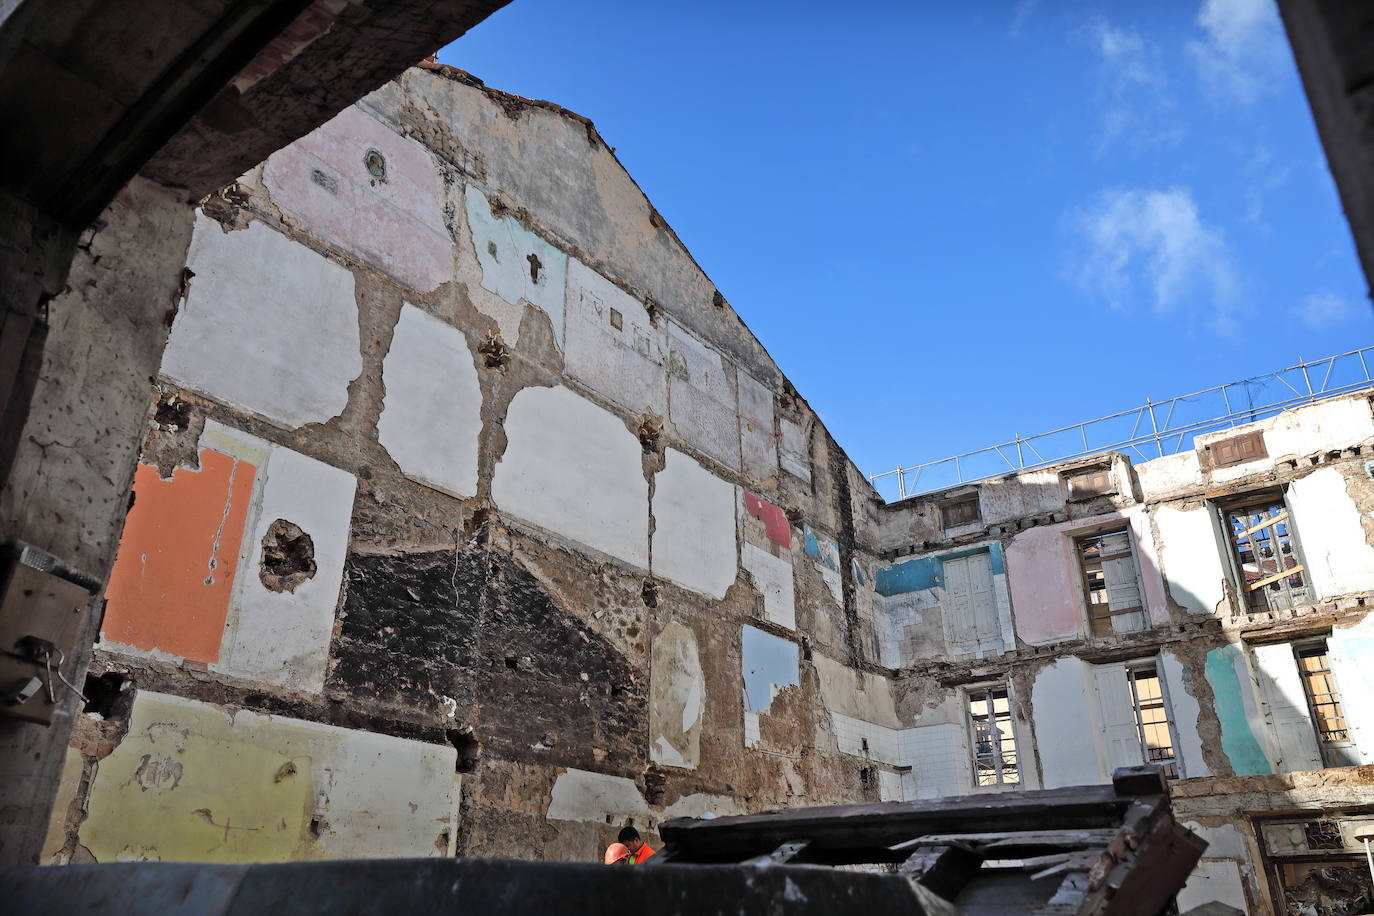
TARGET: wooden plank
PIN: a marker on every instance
(942, 870)
(1274, 520)
(1251, 586)
(1144, 885)
(983, 842)
(1102, 615)
(865, 832)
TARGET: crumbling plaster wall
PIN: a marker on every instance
(580, 535)
(550, 498)
(1216, 664)
(68, 487)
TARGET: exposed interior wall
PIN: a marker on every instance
(437, 462)
(457, 458)
(68, 487)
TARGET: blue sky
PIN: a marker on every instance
(950, 223)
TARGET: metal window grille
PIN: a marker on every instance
(1267, 556)
(1152, 719)
(994, 738)
(1323, 835)
(1093, 553)
(1324, 705)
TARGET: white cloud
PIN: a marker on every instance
(1324, 309)
(1024, 9)
(1138, 108)
(1243, 48)
(1155, 242)
(1262, 178)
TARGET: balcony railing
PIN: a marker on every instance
(1153, 430)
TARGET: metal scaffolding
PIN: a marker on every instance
(1153, 430)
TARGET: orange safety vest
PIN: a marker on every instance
(644, 852)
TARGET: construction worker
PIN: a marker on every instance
(639, 850)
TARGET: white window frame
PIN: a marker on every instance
(1243, 591)
(970, 693)
(1118, 679)
(984, 640)
(1076, 553)
(1155, 665)
(1326, 748)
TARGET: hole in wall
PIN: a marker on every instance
(288, 557)
(655, 782)
(375, 163)
(172, 414)
(534, 267)
(103, 692)
(650, 593)
(494, 351)
(491, 249)
(512, 662)
(468, 748)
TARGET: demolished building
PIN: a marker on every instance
(470, 519)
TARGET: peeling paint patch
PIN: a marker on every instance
(779, 530)
(694, 526)
(1338, 557)
(701, 397)
(612, 346)
(244, 787)
(359, 185)
(769, 666)
(432, 413)
(677, 697)
(600, 497)
(1186, 712)
(517, 264)
(1059, 699)
(909, 576)
(793, 454)
(269, 326)
(758, 439)
(582, 796)
(1192, 562)
(180, 588)
(174, 574)
(1224, 667)
(281, 636)
(773, 578)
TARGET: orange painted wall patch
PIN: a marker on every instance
(174, 572)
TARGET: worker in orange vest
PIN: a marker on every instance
(639, 850)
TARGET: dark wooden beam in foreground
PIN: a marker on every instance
(1091, 849)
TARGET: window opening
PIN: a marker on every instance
(1323, 835)
(1267, 553)
(1089, 484)
(1152, 719)
(1111, 585)
(960, 512)
(994, 739)
(1324, 704)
